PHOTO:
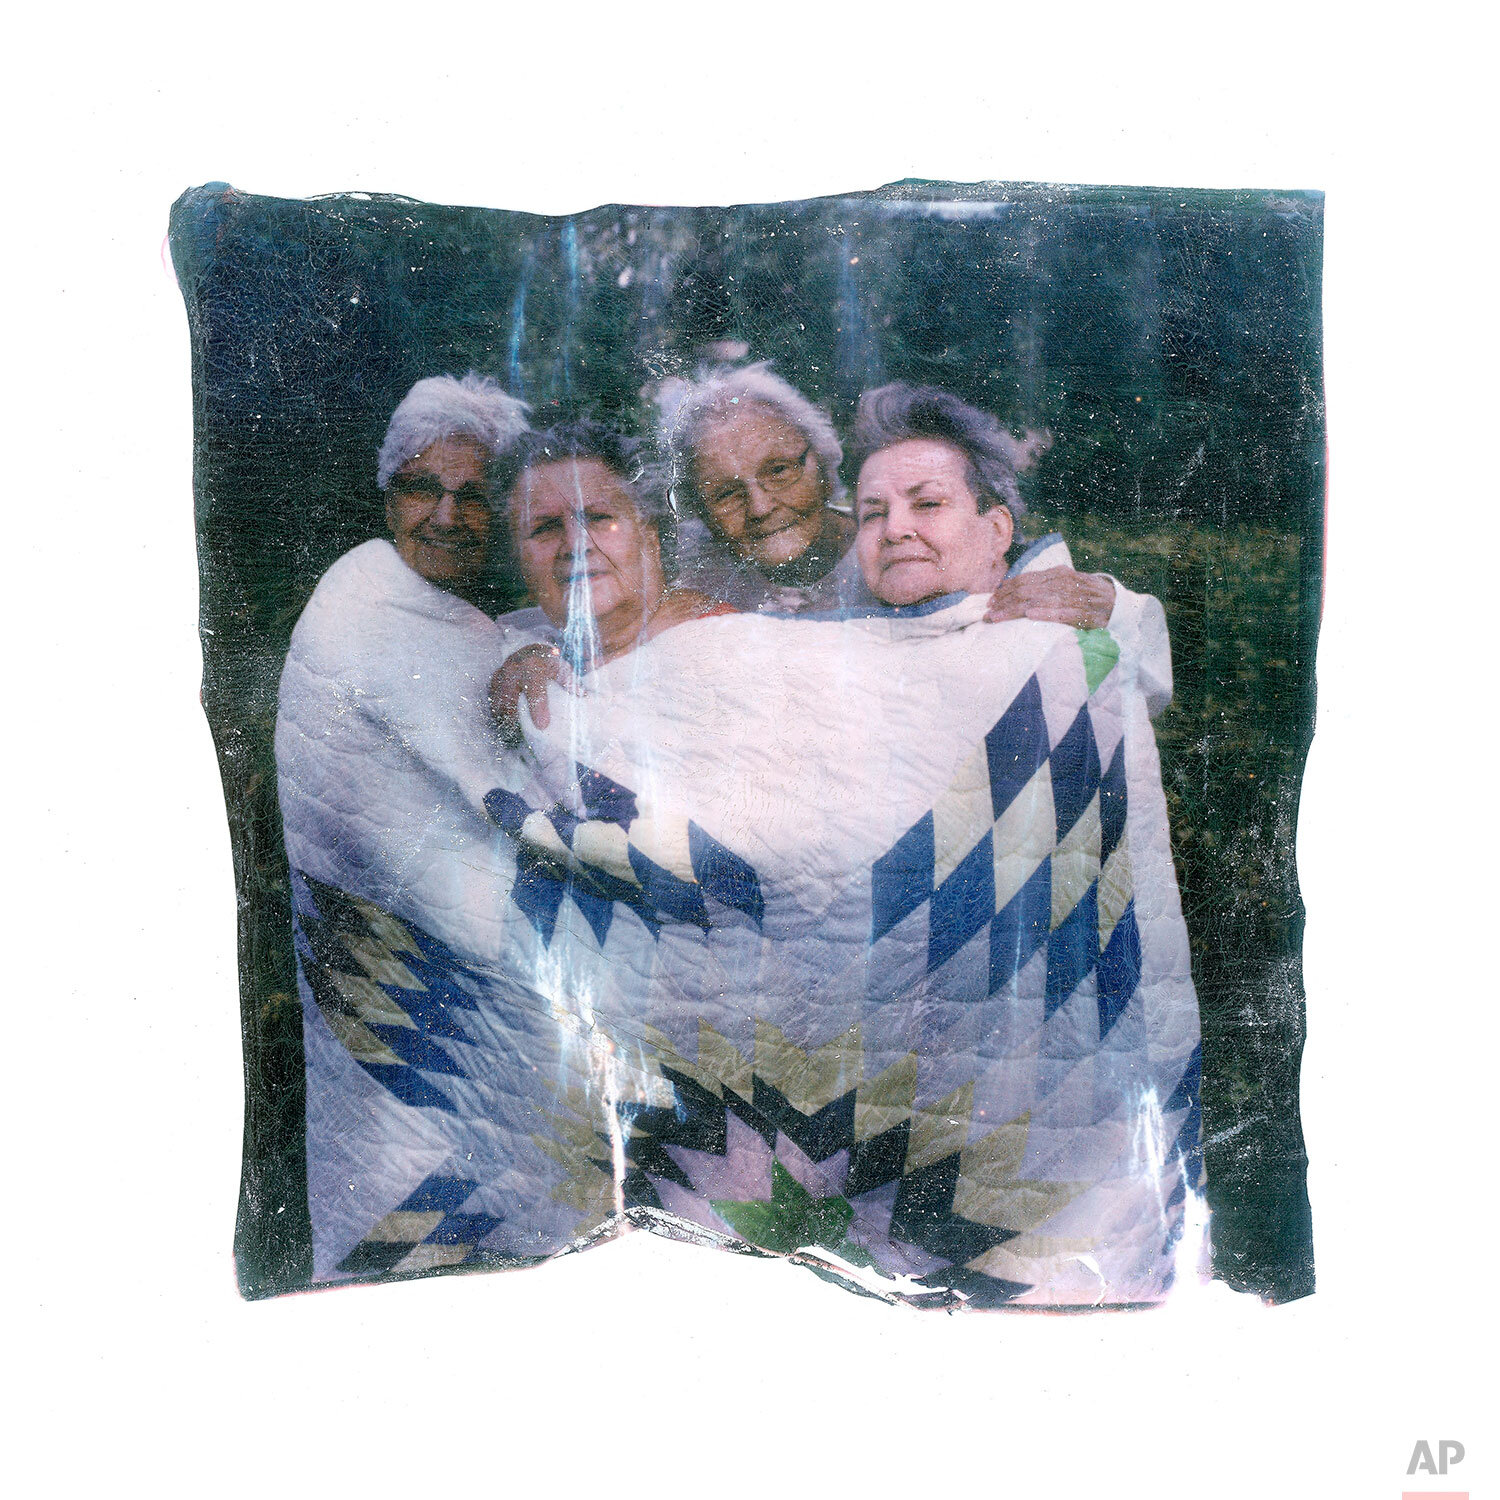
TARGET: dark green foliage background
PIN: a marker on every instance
(1170, 342)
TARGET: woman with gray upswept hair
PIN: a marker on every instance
(899, 413)
(754, 466)
(937, 504)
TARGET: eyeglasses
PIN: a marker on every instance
(429, 491)
(774, 477)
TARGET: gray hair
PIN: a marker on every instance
(685, 407)
(898, 413)
(440, 407)
(626, 457)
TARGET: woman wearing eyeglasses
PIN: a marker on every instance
(755, 467)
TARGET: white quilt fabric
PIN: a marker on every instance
(857, 938)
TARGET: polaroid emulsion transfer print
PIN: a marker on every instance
(779, 726)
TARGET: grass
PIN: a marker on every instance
(1232, 744)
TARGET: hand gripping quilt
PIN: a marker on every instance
(855, 939)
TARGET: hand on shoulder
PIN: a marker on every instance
(1060, 595)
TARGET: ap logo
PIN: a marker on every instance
(1422, 1461)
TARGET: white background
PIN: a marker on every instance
(136, 1364)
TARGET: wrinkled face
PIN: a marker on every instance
(579, 536)
(921, 533)
(438, 509)
(760, 485)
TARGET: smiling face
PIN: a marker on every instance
(580, 537)
(921, 533)
(438, 510)
(760, 485)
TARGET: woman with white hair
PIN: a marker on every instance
(434, 472)
(384, 745)
(758, 467)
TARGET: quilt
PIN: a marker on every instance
(891, 977)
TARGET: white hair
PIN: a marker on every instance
(441, 407)
(685, 406)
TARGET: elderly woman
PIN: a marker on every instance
(936, 496)
(433, 470)
(759, 465)
(384, 751)
(936, 504)
(761, 469)
(588, 526)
